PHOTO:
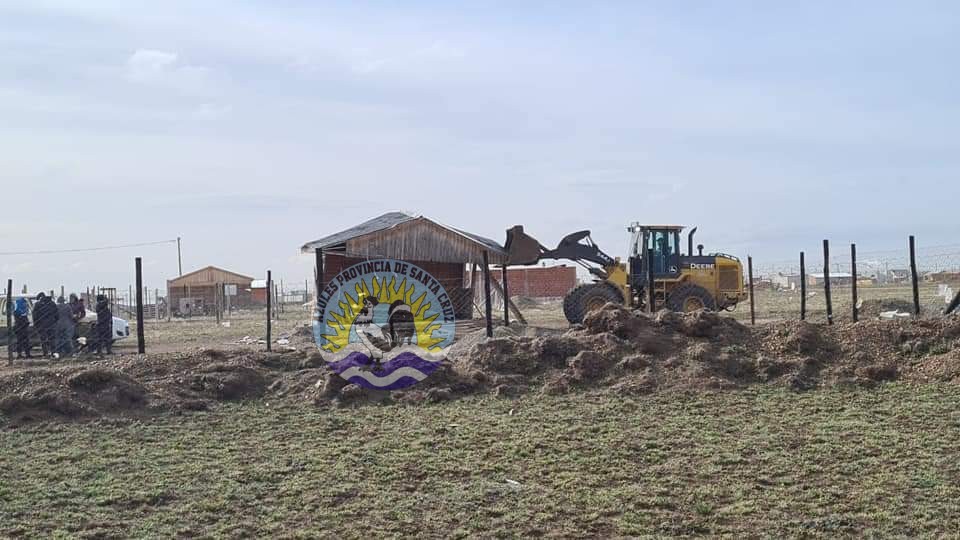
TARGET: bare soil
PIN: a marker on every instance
(614, 350)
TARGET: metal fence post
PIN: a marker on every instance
(269, 302)
(486, 293)
(826, 280)
(753, 314)
(9, 311)
(803, 289)
(141, 342)
(853, 271)
(913, 276)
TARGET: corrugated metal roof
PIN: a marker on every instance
(388, 221)
(485, 242)
(189, 275)
(379, 223)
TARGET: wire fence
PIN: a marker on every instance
(266, 312)
(862, 284)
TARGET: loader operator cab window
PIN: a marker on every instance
(666, 255)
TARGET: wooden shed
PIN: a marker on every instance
(196, 293)
(443, 251)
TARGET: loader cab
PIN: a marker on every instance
(662, 242)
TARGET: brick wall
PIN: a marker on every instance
(541, 282)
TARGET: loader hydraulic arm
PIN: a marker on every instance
(578, 247)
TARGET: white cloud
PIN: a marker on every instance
(146, 64)
(164, 69)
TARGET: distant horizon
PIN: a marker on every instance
(930, 259)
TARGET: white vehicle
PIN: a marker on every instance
(121, 328)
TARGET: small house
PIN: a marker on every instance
(448, 254)
(198, 292)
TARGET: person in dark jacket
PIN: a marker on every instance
(78, 312)
(45, 317)
(65, 328)
(21, 327)
(104, 324)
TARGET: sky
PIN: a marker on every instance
(250, 128)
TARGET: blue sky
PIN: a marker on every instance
(249, 128)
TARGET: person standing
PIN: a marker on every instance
(77, 312)
(45, 317)
(104, 326)
(21, 327)
(65, 328)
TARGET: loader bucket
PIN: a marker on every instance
(521, 247)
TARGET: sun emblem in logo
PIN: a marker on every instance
(384, 324)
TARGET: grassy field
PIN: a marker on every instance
(771, 462)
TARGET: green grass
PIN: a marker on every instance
(765, 462)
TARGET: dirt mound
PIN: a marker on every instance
(523, 355)
(72, 393)
(702, 324)
(229, 382)
(614, 319)
(795, 337)
(161, 383)
(112, 389)
(631, 352)
(614, 350)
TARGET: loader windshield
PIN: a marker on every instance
(664, 245)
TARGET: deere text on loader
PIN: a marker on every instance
(681, 282)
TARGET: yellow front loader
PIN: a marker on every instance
(680, 282)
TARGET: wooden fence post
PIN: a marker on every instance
(486, 292)
(141, 342)
(826, 280)
(853, 271)
(803, 289)
(269, 301)
(914, 277)
(9, 314)
(753, 314)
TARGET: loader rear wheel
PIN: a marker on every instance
(587, 298)
(690, 297)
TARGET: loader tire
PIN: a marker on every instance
(689, 297)
(587, 298)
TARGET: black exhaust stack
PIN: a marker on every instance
(690, 242)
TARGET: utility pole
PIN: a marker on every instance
(179, 258)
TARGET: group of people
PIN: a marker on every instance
(58, 327)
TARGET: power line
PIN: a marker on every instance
(79, 250)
